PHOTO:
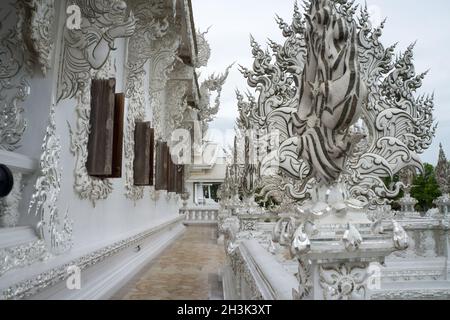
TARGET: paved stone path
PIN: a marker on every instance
(187, 270)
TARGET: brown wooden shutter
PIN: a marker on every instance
(119, 110)
(152, 156)
(180, 179)
(170, 172)
(101, 137)
(158, 163)
(142, 137)
(161, 166)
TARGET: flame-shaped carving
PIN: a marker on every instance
(344, 109)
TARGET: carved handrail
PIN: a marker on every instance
(268, 279)
(200, 215)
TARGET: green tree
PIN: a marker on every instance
(426, 188)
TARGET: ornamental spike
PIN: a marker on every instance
(352, 238)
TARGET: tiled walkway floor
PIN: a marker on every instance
(188, 270)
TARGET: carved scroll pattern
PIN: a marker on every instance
(86, 55)
(144, 47)
(395, 125)
(55, 231)
(14, 87)
(36, 27)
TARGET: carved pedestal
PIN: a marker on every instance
(335, 244)
(443, 204)
(408, 204)
(330, 272)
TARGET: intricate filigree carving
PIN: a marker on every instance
(161, 64)
(212, 84)
(443, 171)
(417, 294)
(313, 100)
(50, 277)
(143, 47)
(22, 256)
(54, 230)
(176, 104)
(14, 87)
(343, 282)
(204, 49)
(305, 280)
(89, 48)
(36, 19)
(85, 186)
(86, 55)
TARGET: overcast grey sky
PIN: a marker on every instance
(233, 21)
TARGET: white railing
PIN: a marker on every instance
(200, 215)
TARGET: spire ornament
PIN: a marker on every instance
(442, 173)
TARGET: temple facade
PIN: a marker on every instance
(106, 176)
(91, 92)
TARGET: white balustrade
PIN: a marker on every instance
(200, 215)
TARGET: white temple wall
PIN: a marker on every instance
(114, 216)
(111, 220)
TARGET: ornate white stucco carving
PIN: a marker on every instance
(304, 279)
(150, 27)
(54, 229)
(344, 282)
(393, 127)
(443, 171)
(22, 256)
(36, 30)
(14, 87)
(161, 64)
(86, 55)
(176, 104)
(89, 48)
(51, 277)
(347, 119)
(204, 50)
(9, 206)
(86, 186)
(214, 83)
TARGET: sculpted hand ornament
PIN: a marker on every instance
(124, 30)
(89, 48)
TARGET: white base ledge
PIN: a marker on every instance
(103, 272)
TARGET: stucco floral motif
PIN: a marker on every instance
(343, 282)
(14, 87)
(151, 28)
(86, 56)
(89, 47)
(204, 49)
(161, 64)
(36, 27)
(304, 280)
(388, 126)
(54, 230)
(22, 256)
(86, 186)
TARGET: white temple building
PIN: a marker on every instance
(83, 202)
(106, 177)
